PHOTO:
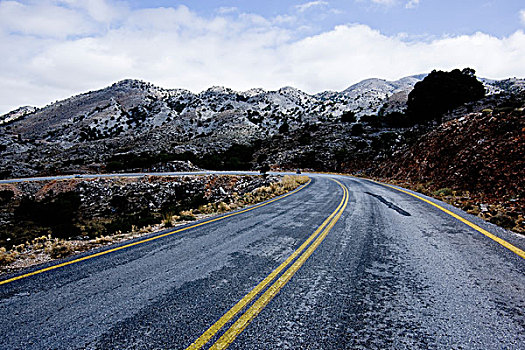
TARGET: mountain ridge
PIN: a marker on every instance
(354, 91)
(133, 116)
(221, 89)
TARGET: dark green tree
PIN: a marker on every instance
(348, 117)
(442, 91)
(396, 120)
(264, 168)
(284, 128)
(357, 129)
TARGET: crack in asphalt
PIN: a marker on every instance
(390, 204)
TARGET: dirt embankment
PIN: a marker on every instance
(476, 162)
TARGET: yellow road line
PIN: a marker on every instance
(229, 336)
(210, 332)
(492, 236)
(49, 268)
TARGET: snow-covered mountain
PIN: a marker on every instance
(16, 114)
(135, 116)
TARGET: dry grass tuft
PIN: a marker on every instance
(58, 248)
(7, 257)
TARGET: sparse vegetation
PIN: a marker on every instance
(442, 192)
(261, 194)
(475, 163)
(236, 157)
(506, 214)
(39, 244)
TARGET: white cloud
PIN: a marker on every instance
(42, 20)
(384, 2)
(412, 4)
(175, 47)
(99, 10)
(389, 3)
(225, 10)
(522, 16)
(310, 5)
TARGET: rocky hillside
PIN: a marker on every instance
(87, 208)
(482, 153)
(135, 125)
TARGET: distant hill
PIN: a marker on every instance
(133, 124)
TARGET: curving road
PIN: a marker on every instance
(380, 269)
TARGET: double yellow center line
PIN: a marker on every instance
(242, 322)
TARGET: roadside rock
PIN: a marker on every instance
(100, 206)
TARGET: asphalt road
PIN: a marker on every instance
(384, 270)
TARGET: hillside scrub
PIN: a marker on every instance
(113, 210)
(236, 157)
(476, 162)
(506, 214)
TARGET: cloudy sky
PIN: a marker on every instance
(52, 49)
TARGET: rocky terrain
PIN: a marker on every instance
(135, 125)
(477, 161)
(44, 220)
(103, 206)
(85, 132)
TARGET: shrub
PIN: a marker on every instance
(308, 160)
(6, 196)
(222, 207)
(443, 192)
(305, 138)
(6, 257)
(125, 222)
(5, 174)
(396, 120)
(59, 214)
(167, 219)
(357, 129)
(442, 91)
(186, 217)
(58, 248)
(502, 220)
(372, 120)
(264, 168)
(237, 157)
(284, 128)
(348, 117)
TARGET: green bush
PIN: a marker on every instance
(6, 196)
(396, 120)
(372, 120)
(237, 157)
(348, 117)
(305, 138)
(357, 129)
(442, 91)
(284, 128)
(58, 214)
(443, 192)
